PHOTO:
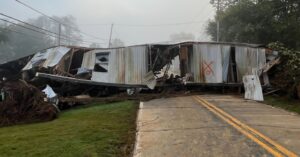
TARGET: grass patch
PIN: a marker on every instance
(99, 130)
(283, 102)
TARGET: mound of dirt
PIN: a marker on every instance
(24, 103)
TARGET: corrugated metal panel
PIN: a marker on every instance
(125, 65)
(47, 58)
(225, 61)
(116, 65)
(207, 63)
(136, 64)
(249, 60)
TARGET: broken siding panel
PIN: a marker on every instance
(36, 60)
(207, 63)
(48, 58)
(55, 56)
(249, 60)
(175, 67)
(136, 64)
(88, 61)
(253, 90)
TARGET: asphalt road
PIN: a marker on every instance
(214, 125)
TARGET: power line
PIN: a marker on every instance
(27, 27)
(31, 25)
(55, 36)
(24, 4)
(28, 6)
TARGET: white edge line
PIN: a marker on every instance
(137, 136)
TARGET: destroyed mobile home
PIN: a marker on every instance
(31, 86)
(144, 66)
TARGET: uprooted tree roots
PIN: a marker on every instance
(24, 103)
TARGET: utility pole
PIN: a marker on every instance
(59, 33)
(218, 22)
(111, 29)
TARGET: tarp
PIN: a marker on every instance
(47, 58)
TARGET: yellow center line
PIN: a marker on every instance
(275, 144)
(248, 131)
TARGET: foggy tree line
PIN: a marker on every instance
(258, 21)
(16, 41)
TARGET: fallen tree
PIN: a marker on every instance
(24, 103)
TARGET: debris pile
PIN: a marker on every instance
(24, 103)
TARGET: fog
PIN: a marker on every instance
(135, 21)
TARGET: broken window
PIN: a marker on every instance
(101, 64)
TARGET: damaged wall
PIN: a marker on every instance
(47, 58)
(201, 62)
(209, 63)
(123, 66)
(248, 60)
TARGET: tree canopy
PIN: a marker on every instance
(258, 21)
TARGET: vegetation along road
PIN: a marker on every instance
(96, 130)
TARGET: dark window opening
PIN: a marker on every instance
(99, 68)
(232, 71)
(76, 61)
(102, 60)
(102, 57)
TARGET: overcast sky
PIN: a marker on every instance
(136, 21)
